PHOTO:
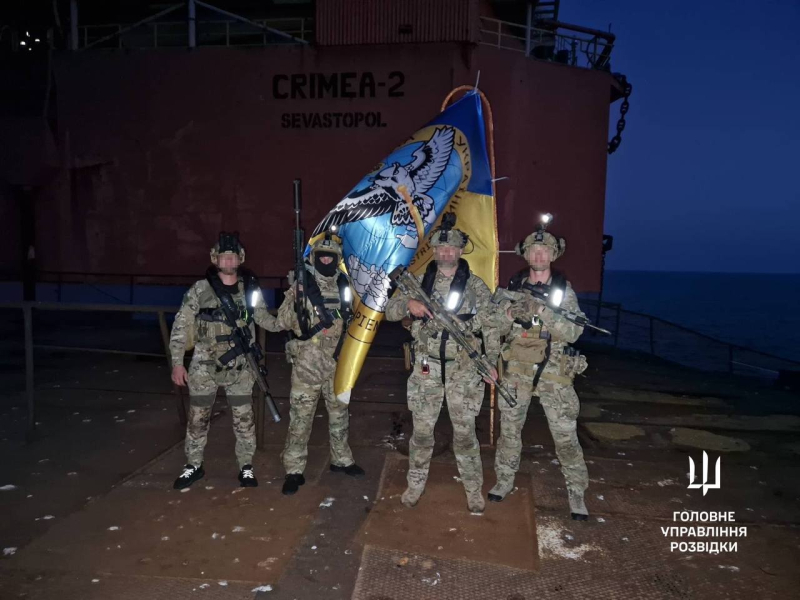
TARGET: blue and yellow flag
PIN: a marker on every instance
(385, 220)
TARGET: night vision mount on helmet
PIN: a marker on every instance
(447, 235)
(228, 244)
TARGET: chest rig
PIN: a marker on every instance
(215, 325)
(328, 304)
(533, 344)
(458, 299)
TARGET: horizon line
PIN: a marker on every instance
(705, 272)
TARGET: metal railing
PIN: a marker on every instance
(582, 47)
(175, 34)
(161, 312)
(678, 344)
(132, 280)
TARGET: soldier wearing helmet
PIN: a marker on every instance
(441, 368)
(318, 324)
(539, 361)
(202, 324)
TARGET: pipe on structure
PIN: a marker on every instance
(277, 32)
(135, 25)
(529, 24)
(73, 24)
(192, 23)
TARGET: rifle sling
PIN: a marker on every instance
(542, 365)
(226, 302)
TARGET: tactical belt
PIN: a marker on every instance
(557, 378)
(437, 359)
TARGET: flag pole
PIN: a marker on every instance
(490, 142)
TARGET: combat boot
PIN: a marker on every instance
(292, 483)
(475, 501)
(189, 476)
(577, 506)
(247, 478)
(411, 496)
(503, 487)
(352, 470)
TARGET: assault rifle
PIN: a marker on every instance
(408, 284)
(542, 295)
(299, 264)
(241, 343)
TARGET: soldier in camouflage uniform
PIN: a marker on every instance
(200, 321)
(538, 361)
(441, 369)
(313, 352)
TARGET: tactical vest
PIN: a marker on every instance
(530, 343)
(433, 342)
(333, 303)
(210, 321)
(332, 307)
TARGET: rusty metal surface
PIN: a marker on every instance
(65, 585)
(442, 526)
(104, 419)
(348, 22)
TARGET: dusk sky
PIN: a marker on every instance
(706, 178)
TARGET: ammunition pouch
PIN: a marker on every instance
(191, 337)
(408, 356)
(527, 350)
(210, 329)
(570, 364)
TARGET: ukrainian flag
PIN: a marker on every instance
(385, 220)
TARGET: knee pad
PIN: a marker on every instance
(204, 401)
(239, 400)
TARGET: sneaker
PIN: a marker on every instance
(189, 476)
(247, 478)
(501, 489)
(292, 483)
(353, 470)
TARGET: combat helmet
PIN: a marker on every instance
(447, 235)
(542, 237)
(228, 243)
(329, 243)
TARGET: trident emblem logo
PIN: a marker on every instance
(704, 485)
